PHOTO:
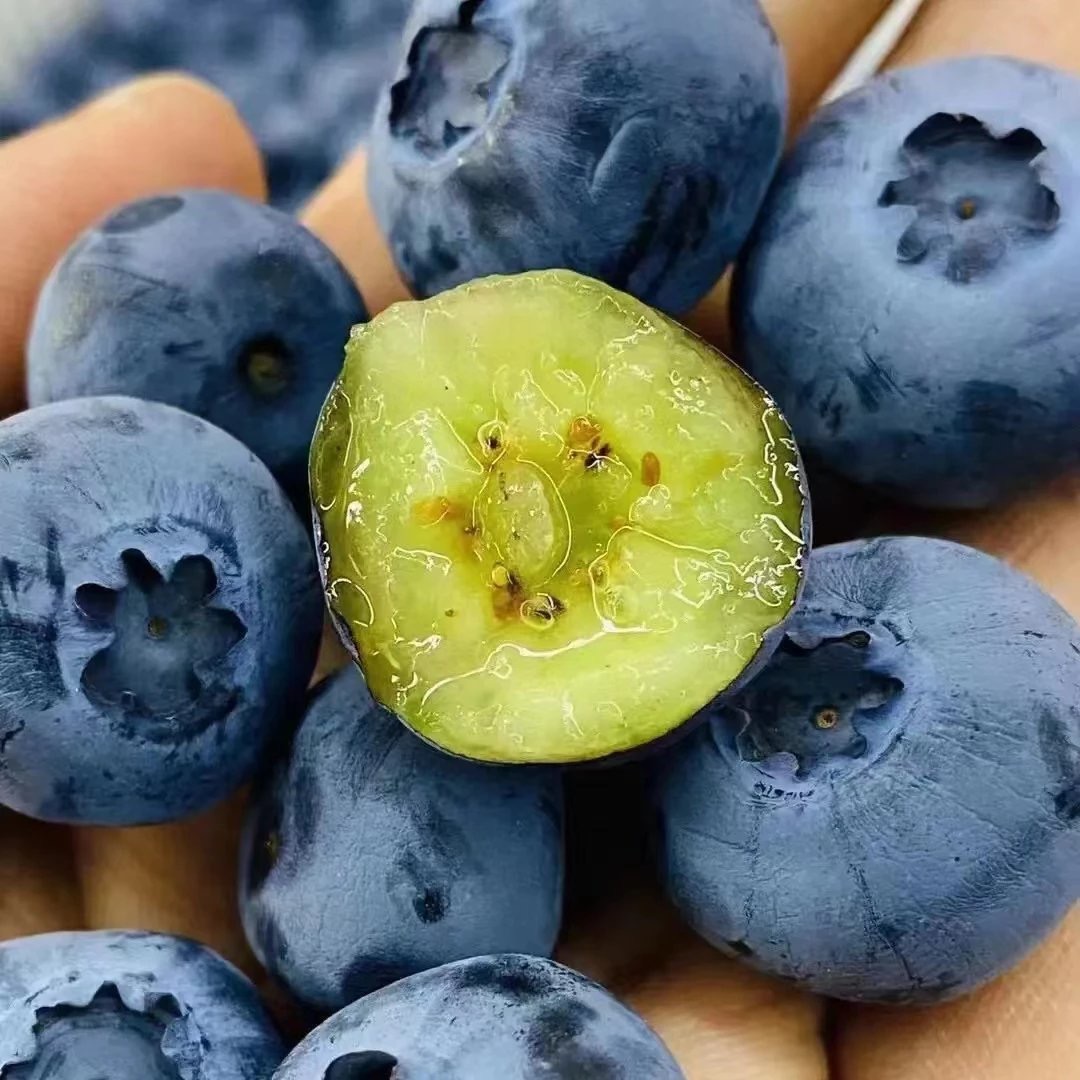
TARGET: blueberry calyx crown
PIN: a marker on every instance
(76, 1042)
(165, 638)
(826, 706)
(976, 195)
(453, 80)
(264, 364)
(365, 1065)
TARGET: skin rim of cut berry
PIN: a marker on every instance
(537, 553)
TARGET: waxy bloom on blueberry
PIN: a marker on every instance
(502, 1017)
(207, 301)
(159, 612)
(417, 858)
(628, 140)
(890, 811)
(118, 1005)
(909, 290)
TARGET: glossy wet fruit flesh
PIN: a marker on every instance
(554, 523)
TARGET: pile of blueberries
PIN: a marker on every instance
(889, 811)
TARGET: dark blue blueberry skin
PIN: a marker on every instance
(368, 855)
(908, 295)
(891, 810)
(504, 1017)
(128, 1006)
(207, 301)
(159, 612)
(304, 74)
(628, 140)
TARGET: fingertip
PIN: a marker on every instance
(157, 133)
(169, 129)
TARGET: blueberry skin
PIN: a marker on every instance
(628, 140)
(129, 1006)
(890, 811)
(417, 858)
(207, 301)
(160, 612)
(500, 1017)
(908, 293)
(304, 74)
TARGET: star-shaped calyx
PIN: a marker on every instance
(166, 640)
(820, 708)
(103, 1038)
(976, 195)
(451, 85)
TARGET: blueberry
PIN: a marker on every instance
(128, 1006)
(417, 858)
(502, 1017)
(630, 141)
(159, 612)
(890, 811)
(559, 506)
(908, 294)
(303, 73)
(206, 301)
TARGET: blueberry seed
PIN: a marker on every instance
(650, 469)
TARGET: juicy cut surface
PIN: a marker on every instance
(554, 523)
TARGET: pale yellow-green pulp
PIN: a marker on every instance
(556, 523)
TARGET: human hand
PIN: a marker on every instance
(719, 1018)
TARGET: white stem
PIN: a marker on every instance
(876, 48)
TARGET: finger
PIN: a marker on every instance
(341, 216)
(720, 1019)
(818, 39)
(1027, 1022)
(40, 891)
(178, 878)
(1043, 30)
(162, 132)
(717, 1017)
(1036, 533)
